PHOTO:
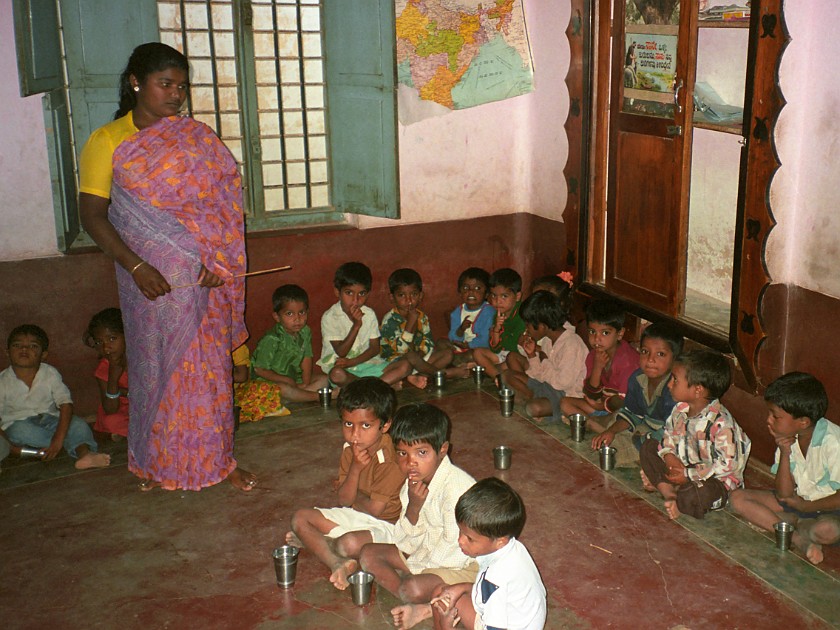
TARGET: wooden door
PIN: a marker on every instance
(649, 152)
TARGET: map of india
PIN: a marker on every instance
(462, 53)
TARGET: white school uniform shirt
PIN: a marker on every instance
(817, 474)
(508, 592)
(18, 402)
(335, 324)
(433, 541)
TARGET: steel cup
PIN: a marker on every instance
(577, 424)
(501, 457)
(478, 374)
(360, 585)
(325, 396)
(440, 379)
(606, 457)
(506, 395)
(285, 565)
(784, 532)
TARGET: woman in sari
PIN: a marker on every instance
(161, 195)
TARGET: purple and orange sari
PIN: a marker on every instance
(176, 201)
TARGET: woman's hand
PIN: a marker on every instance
(150, 282)
(207, 278)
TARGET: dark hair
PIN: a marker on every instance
(352, 273)
(420, 422)
(492, 508)
(144, 60)
(107, 319)
(607, 313)
(33, 331)
(371, 393)
(404, 278)
(288, 293)
(707, 368)
(557, 284)
(543, 307)
(631, 51)
(800, 394)
(474, 273)
(665, 332)
(507, 278)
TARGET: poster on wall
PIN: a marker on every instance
(650, 63)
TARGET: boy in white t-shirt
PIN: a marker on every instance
(508, 591)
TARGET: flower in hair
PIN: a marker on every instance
(566, 276)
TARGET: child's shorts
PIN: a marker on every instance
(789, 510)
(454, 576)
(349, 520)
(544, 390)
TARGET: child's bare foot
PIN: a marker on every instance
(461, 371)
(646, 484)
(812, 550)
(409, 615)
(93, 460)
(418, 380)
(672, 509)
(293, 540)
(341, 572)
(242, 480)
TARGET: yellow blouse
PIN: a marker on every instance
(96, 162)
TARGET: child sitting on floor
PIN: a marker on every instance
(36, 408)
(350, 330)
(470, 322)
(648, 402)
(609, 363)
(508, 326)
(369, 482)
(704, 451)
(807, 467)
(509, 592)
(105, 334)
(555, 353)
(425, 551)
(406, 336)
(284, 355)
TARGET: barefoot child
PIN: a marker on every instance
(425, 551)
(105, 334)
(470, 322)
(609, 364)
(509, 592)
(284, 354)
(704, 451)
(406, 340)
(508, 326)
(648, 402)
(807, 467)
(35, 405)
(369, 481)
(555, 353)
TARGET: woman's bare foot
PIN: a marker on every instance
(409, 615)
(293, 540)
(646, 484)
(242, 480)
(418, 380)
(146, 485)
(93, 460)
(341, 572)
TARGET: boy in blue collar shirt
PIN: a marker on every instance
(807, 467)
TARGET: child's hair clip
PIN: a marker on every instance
(566, 276)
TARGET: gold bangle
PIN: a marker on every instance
(137, 266)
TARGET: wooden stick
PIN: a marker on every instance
(239, 275)
(601, 548)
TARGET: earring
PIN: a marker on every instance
(136, 88)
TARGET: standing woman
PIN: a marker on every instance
(161, 195)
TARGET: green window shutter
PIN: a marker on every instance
(62, 177)
(38, 47)
(361, 99)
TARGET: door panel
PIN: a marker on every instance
(647, 200)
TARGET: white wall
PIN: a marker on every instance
(499, 158)
(804, 248)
